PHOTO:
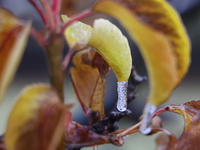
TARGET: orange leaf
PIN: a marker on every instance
(13, 39)
(190, 138)
(36, 121)
(88, 79)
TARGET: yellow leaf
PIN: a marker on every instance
(155, 44)
(157, 30)
(13, 38)
(36, 121)
(108, 40)
(77, 32)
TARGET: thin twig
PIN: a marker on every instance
(134, 129)
(41, 13)
(75, 18)
(38, 37)
(49, 13)
(118, 131)
(126, 132)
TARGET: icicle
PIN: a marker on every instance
(122, 95)
(145, 127)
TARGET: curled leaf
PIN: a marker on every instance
(107, 39)
(13, 39)
(191, 113)
(190, 137)
(36, 121)
(110, 43)
(157, 30)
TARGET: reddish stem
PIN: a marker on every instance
(134, 128)
(49, 13)
(67, 58)
(38, 37)
(171, 136)
(75, 18)
(41, 13)
(160, 111)
(55, 9)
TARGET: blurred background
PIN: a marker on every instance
(33, 69)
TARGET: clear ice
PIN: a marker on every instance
(145, 127)
(122, 95)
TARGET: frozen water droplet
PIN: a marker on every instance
(122, 95)
(145, 127)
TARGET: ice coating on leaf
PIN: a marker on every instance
(76, 32)
(145, 127)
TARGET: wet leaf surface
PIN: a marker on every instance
(13, 39)
(37, 120)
